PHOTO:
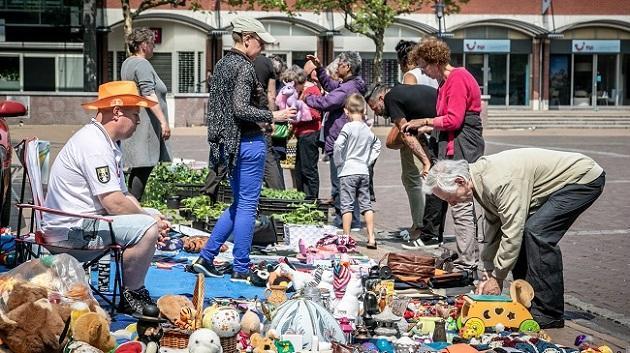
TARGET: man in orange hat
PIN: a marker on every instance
(87, 177)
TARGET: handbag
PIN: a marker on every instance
(411, 268)
(394, 139)
(280, 131)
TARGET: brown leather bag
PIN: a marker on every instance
(408, 265)
(394, 139)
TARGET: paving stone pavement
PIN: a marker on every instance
(596, 249)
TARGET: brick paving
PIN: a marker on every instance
(596, 261)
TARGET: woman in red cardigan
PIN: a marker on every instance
(458, 124)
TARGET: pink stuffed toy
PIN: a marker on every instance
(288, 98)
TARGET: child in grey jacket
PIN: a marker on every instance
(355, 150)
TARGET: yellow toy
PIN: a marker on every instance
(483, 311)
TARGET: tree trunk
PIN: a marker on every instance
(377, 68)
(89, 46)
(128, 25)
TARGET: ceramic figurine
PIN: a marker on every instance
(349, 305)
(226, 322)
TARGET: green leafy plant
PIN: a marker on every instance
(303, 214)
(290, 194)
(202, 207)
(166, 176)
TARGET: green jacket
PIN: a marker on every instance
(512, 185)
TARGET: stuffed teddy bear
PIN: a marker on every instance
(250, 324)
(264, 344)
(288, 98)
(195, 243)
(171, 308)
(93, 328)
(31, 323)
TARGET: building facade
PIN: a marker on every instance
(572, 56)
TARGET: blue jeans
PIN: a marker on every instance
(246, 183)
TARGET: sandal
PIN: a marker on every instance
(371, 246)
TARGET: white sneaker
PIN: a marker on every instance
(418, 244)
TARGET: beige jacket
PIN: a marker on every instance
(511, 185)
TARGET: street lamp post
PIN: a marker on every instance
(439, 13)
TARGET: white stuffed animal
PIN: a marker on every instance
(349, 305)
(299, 279)
(203, 340)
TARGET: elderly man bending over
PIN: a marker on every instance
(87, 177)
(530, 197)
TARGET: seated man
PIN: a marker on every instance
(531, 197)
(87, 177)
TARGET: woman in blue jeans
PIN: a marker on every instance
(236, 111)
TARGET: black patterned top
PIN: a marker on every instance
(235, 95)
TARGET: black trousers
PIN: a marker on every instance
(540, 259)
(306, 172)
(273, 178)
(211, 185)
(434, 217)
(137, 181)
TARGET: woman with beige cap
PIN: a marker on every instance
(235, 116)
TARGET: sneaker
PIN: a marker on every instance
(205, 267)
(240, 276)
(134, 301)
(420, 244)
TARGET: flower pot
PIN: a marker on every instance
(199, 224)
(173, 202)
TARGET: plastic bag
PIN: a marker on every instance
(61, 274)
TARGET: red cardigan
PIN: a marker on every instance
(458, 94)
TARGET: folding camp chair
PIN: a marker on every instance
(30, 245)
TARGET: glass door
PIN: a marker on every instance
(560, 79)
(497, 78)
(582, 80)
(519, 79)
(606, 79)
(475, 65)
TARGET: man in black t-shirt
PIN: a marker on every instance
(403, 103)
(267, 78)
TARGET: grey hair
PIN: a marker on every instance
(443, 174)
(138, 36)
(295, 74)
(352, 58)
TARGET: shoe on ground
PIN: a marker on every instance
(422, 244)
(547, 323)
(240, 276)
(355, 229)
(206, 268)
(134, 301)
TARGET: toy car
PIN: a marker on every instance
(487, 311)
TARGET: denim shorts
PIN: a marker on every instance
(354, 187)
(94, 234)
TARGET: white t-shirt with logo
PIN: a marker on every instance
(90, 164)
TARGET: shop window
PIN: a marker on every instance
(299, 31)
(299, 57)
(392, 31)
(186, 64)
(40, 75)
(162, 63)
(201, 75)
(9, 73)
(70, 73)
(560, 79)
(519, 78)
(390, 71)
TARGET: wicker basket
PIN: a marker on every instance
(175, 337)
(228, 344)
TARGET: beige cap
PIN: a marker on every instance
(248, 24)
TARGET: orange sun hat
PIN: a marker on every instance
(119, 93)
